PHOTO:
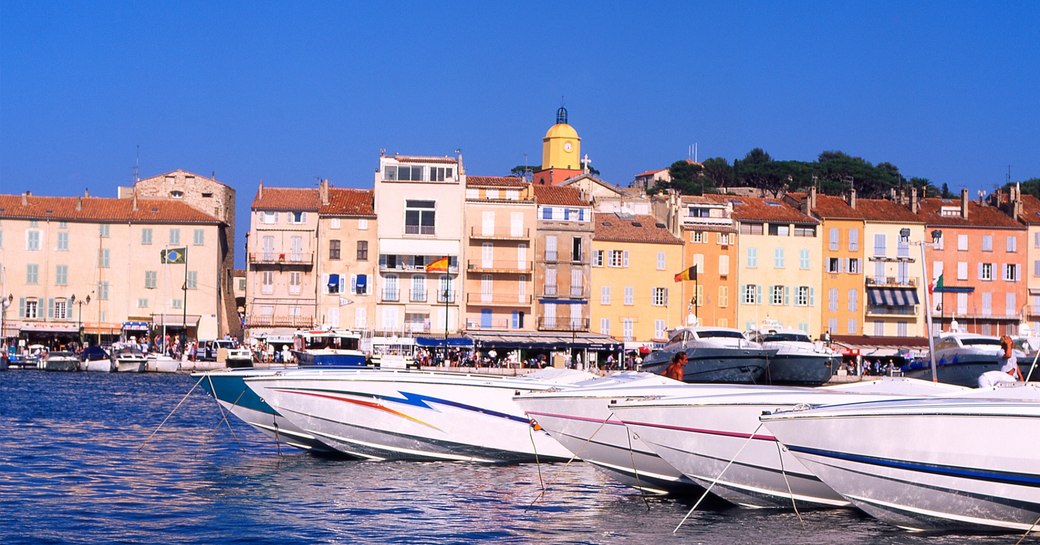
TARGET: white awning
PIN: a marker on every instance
(418, 246)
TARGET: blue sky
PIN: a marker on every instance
(289, 92)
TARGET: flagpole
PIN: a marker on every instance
(184, 303)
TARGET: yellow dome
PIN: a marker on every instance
(561, 130)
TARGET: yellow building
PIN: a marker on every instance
(634, 294)
(561, 152)
(778, 273)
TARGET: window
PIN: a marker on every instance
(63, 241)
(832, 239)
(834, 265)
(604, 326)
(103, 258)
(854, 265)
(803, 259)
(297, 217)
(439, 174)
(103, 290)
(659, 297)
(32, 274)
(362, 250)
(419, 217)
(630, 294)
(852, 326)
(576, 253)
(413, 173)
(175, 236)
(627, 329)
(191, 280)
(750, 296)
(987, 303)
(697, 236)
(801, 297)
(660, 261)
(32, 240)
(267, 282)
(751, 228)
(334, 250)
(659, 332)
(61, 275)
(962, 270)
(723, 265)
(177, 304)
(832, 300)
(146, 236)
(1011, 272)
(294, 283)
(853, 300)
(776, 295)
(597, 258)
(604, 295)
(418, 292)
(985, 271)
(724, 239)
(151, 279)
(550, 280)
(142, 302)
(362, 224)
(616, 258)
(359, 284)
(853, 239)
(198, 237)
(752, 258)
(1012, 244)
(1010, 304)
(268, 217)
(550, 248)
(723, 296)
(802, 231)
(778, 258)
(779, 230)
(103, 230)
(962, 243)
(987, 243)
(879, 245)
(32, 309)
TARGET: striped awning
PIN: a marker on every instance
(893, 297)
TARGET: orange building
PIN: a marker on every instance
(709, 237)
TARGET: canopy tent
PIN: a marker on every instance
(893, 297)
(441, 342)
(545, 341)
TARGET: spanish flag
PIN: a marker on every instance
(688, 274)
(440, 265)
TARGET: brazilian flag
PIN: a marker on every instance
(173, 256)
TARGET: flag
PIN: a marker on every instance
(688, 274)
(937, 285)
(440, 265)
(173, 255)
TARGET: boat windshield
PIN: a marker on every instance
(720, 333)
(774, 337)
(980, 341)
(334, 342)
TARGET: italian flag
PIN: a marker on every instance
(938, 284)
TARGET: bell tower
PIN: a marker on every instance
(561, 152)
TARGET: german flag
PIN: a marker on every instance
(688, 274)
(440, 265)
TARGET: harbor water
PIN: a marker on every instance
(88, 458)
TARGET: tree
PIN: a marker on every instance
(685, 178)
(717, 172)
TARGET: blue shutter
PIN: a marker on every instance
(787, 295)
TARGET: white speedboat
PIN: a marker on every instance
(95, 359)
(581, 420)
(960, 358)
(129, 360)
(229, 388)
(416, 415)
(716, 440)
(59, 361)
(798, 360)
(715, 354)
(329, 347)
(967, 462)
(160, 363)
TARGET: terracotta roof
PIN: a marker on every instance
(832, 207)
(631, 228)
(349, 202)
(978, 215)
(559, 196)
(886, 210)
(1030, 210)
(425, 159)
(286, 198)
(99, 209)
(650, 172)
(496, 181)
(763, 209)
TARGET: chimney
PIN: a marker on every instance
(25, 198)
(79, 204)
(260, 191)
(812, 198)
(1016, 203)
(852, 198)
(964, 203)
(323, 192)
(902, 197)
(133, 205)
(86, 191)
(892, 194)
(914, 204)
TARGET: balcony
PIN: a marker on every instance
(499, 266)
(499, 234)
(891, 281)
(551, 257)
(499, 299)
(563, 324)
(417, 296)
(279, 320)
(446, 297)
(416, 269)
(876, 311)
(391, 295)
(495, 324)
(419, 230)
(281, 258)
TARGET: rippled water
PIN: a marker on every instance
(78, 465)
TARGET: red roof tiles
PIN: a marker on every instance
(766, 209)
(556, 195)
(495, 181)
(978, 215)
(631, 228)
(349, 202)
(286, 198)
(98, 209)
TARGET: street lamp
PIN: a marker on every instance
(4, 303)
(904, 234)
(79, 320)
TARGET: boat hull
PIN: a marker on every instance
(230, 390)
(729, 365)
(800, 369)
(323, 359)
(962, 370)
(411, 415)
(98, 366)
(163, 365)
(64, 365)
(944, 464)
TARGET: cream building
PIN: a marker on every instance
(420, 205)
(92, 266)
(499, 259)
(346, 257)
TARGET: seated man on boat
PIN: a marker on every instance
(675, 369)
(1009, 371)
